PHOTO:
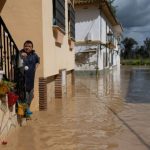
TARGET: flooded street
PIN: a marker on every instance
(108, 113)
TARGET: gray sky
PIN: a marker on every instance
(134, 16)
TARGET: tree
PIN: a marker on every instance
(142, 52)
(147, 45)
(128, 44)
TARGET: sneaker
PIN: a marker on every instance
(28, 112)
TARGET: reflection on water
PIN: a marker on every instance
(109, 81)
(107, 88)
(132, 84)
(139, 86)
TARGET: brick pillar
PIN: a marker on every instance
(42, 94)
(58, 86)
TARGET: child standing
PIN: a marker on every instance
(30, 61)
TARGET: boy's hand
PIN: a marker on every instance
(24, 55)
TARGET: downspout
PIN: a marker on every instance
(100, 36)
(106, 47)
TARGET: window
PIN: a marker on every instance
(59, 13)
(71, 21)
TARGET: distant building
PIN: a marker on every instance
(98, 34)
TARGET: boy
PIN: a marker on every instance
(30, 61)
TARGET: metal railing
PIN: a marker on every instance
(9, 55)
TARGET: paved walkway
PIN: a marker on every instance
(91, 120)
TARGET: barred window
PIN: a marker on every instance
(59, 13)
(71, 21)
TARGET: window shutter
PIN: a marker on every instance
(59, 13)
(72, 21)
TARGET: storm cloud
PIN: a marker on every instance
(134, 15)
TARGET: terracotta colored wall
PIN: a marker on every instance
(24, 21)
(55, 58)
(32, 20)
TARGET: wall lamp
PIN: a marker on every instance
(110, 37)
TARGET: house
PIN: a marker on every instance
(50, 24)
(98, 34)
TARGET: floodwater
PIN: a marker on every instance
(108, 113)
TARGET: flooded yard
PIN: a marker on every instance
(107, 113)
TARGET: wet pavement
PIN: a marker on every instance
(108, 113)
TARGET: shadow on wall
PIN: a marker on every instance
(2, 3)
(85, 11)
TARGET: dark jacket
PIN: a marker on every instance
(31, 60)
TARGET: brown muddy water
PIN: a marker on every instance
(108, 113)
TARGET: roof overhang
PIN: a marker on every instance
(78, 2)
(103, 5)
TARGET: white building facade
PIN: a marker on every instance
(94, 23)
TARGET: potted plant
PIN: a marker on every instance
(6, 88)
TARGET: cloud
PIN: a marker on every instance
(134, 17)
(134, 12)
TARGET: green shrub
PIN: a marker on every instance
(135, 62)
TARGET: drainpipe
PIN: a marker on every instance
(100, 36)
(97, 68)
(106, 49)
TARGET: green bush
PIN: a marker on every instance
(135, 62)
